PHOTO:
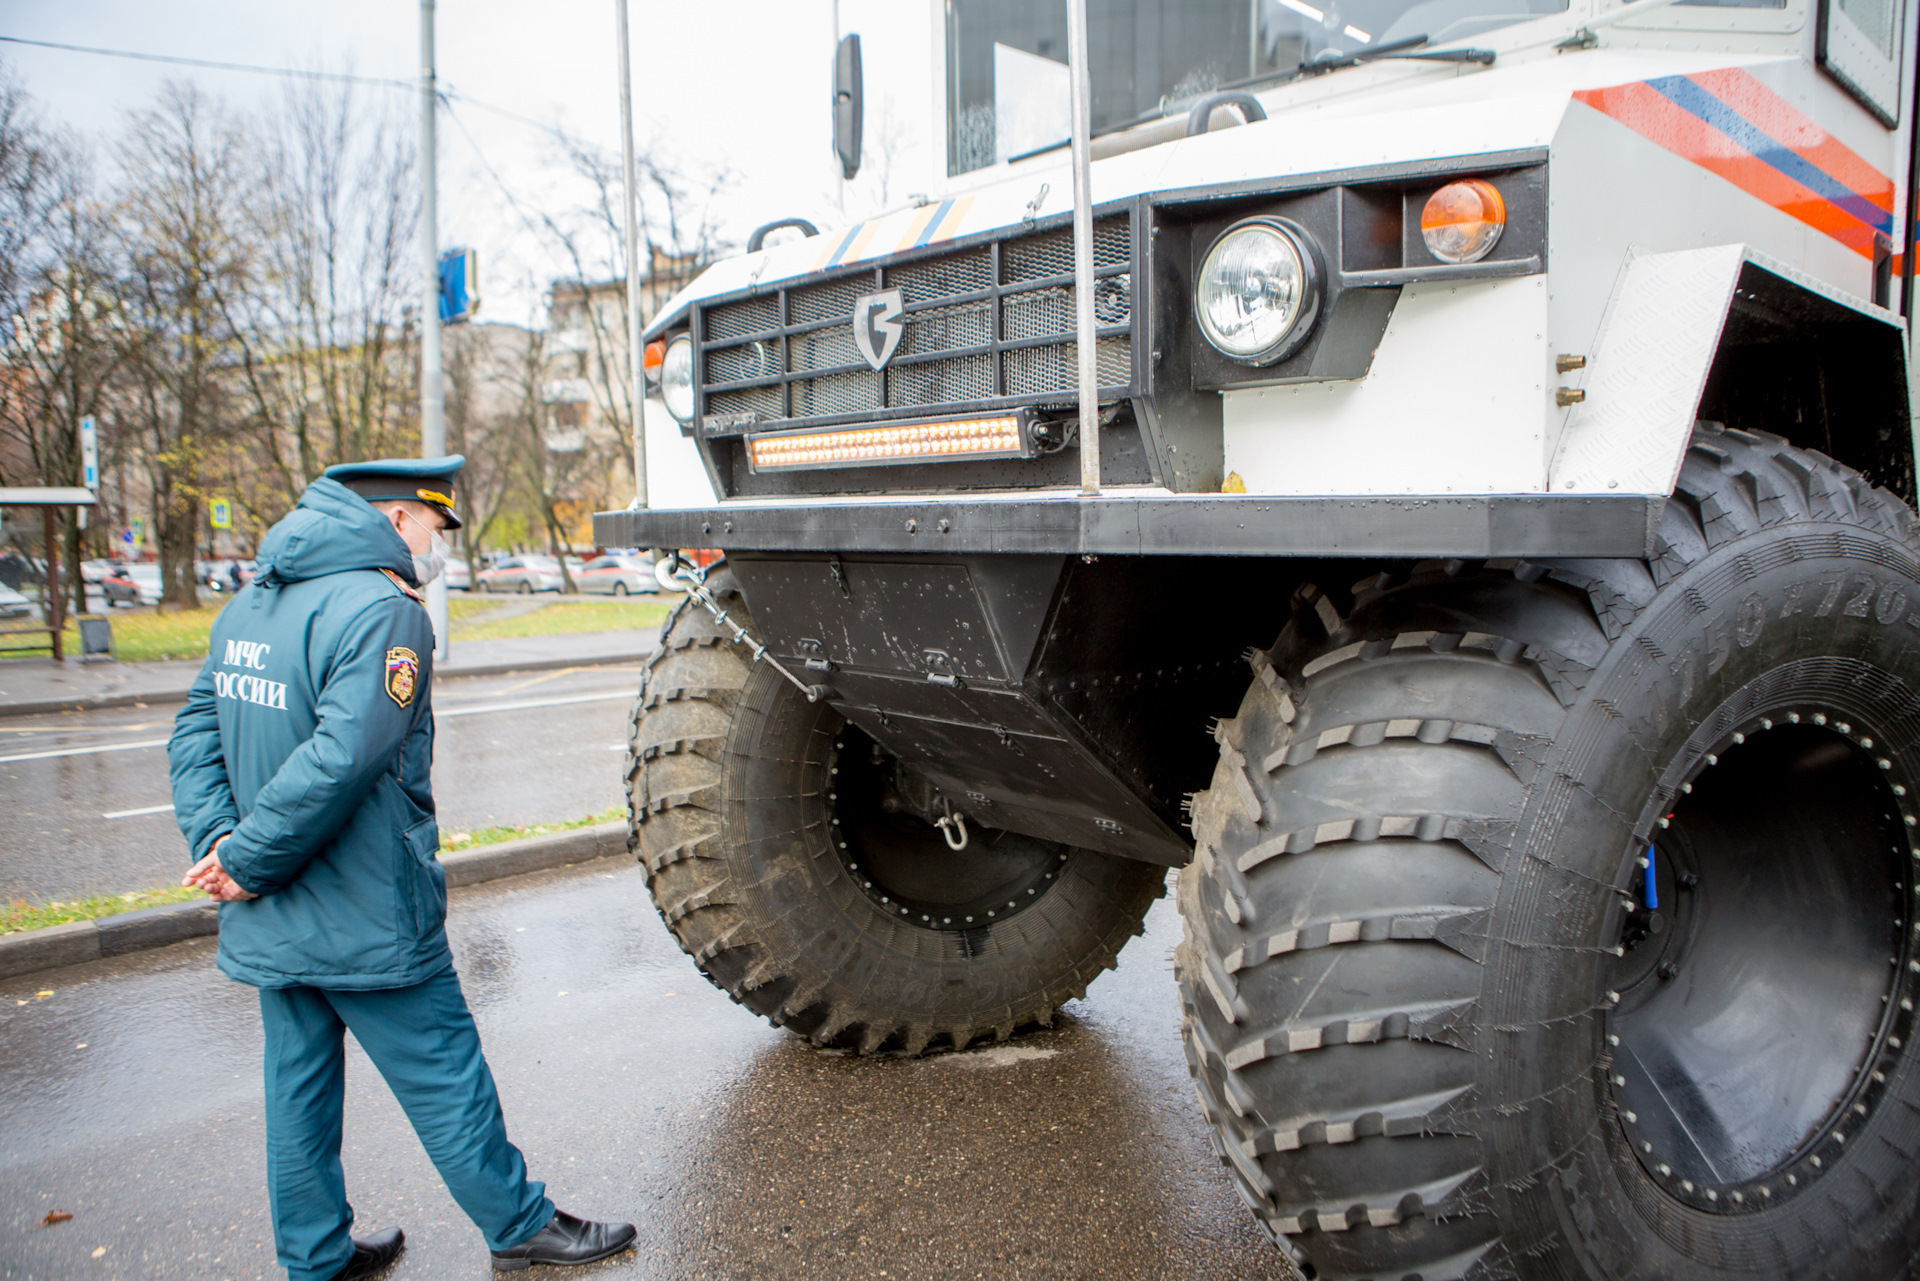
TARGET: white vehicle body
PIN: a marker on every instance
(1687, 146)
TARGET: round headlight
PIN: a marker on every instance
(1258, 291)
(676, 378)
(1462, 221)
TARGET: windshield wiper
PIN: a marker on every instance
(1396, 49)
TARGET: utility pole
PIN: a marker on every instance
(839, 173)
(1082, 103)
(433, 396)
(636, 354)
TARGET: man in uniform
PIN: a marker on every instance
(300, 780)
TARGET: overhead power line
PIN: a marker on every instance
(291, 73)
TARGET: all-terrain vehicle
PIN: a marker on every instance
(1502, 604)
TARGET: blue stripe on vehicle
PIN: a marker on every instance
(1696, 101)
(932, 223)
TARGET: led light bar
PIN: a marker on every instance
(885, 444)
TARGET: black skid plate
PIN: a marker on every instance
(1046, 695)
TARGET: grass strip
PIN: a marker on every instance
(154, 636)
(22, 915)
(563, 617)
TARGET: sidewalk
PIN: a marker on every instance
(37, 686)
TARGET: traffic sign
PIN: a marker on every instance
(220, 512)
(89, 453)
(459, 285)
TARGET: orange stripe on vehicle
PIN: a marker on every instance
(949, 226)
(921, 217)
(1655, 117)
(1780, 119)
(859, 248)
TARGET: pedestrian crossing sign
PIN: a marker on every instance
(221, 513)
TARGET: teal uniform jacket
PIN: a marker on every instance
(309, 736)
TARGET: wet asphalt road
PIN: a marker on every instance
(131, 1098)
(530, 747)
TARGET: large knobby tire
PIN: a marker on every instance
(755, 814)
(1440, 1022)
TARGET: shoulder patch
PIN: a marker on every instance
(403, 585)
(403, 674)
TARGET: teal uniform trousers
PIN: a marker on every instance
(422, 1040)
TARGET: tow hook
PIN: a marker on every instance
(954, 828)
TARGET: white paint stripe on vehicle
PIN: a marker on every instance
(150, 809)
(85, 751)
(525, 704)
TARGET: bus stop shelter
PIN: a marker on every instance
(54, 606)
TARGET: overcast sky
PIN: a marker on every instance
(739, 84)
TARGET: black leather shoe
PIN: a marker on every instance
(566, 1241)
(372, 1255)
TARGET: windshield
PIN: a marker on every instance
(1007, 59)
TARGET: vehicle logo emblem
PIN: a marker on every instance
(877, 326)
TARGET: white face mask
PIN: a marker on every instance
(427, 568)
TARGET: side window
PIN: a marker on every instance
(1732, 4)
(1859, 45)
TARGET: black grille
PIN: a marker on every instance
(987, 326)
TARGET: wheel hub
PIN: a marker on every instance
(901, 860)
(1764, 982)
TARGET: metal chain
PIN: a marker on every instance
(695, 579)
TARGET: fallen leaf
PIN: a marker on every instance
(41, 996)
(563, 994)
(99, 1250)
(81, 1046)
(19, 1002)
(55, 1216)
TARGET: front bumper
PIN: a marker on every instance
(1419, 526)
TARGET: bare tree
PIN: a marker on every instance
(187, 257)
(59, 345)
(326, 344)
(487, 381)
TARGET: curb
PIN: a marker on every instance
(50, 706)
(76, 942)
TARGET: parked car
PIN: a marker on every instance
(118, 587)
(13, 604)
(522, 574)
(131, 585)
(617, 575)
(92, 571)
(459, 575)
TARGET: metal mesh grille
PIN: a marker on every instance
(821, 349)
(940, 382)
(1038, 371)
(964, 273)
(836, 394)
(1014, 311)
(948, 328)
(764, 401)
(1041, 313)
(829, 301)
(1051, 254)
(732, 364)
(748, 316)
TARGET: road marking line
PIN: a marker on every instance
(525, 704)
(84, 751)
(151, 809)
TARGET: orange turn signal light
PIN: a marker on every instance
(654, 357)
(1463, 220)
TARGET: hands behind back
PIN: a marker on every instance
(209, 877)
